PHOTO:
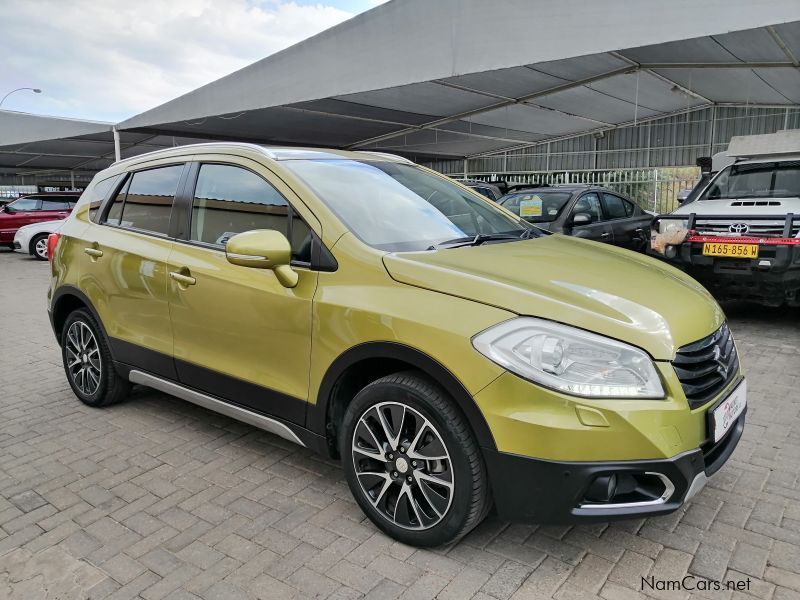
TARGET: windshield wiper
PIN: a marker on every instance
(480, 238)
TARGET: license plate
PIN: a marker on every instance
(725, 415)
(727, 250)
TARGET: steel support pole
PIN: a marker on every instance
(655, 190)
(117, 154)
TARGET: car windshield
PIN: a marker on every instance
(399, 207)
(536, 207)
(762, 180)
(22, 204)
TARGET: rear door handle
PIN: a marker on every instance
(93, 252)
(182, 279)
(605, 235)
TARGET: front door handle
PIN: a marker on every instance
(605, 235)
(182, 279)
(93, 252)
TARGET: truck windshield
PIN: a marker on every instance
(761, 180)
(400, 207)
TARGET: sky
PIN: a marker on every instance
(111, 59)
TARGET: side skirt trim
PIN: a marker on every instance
(229, 410)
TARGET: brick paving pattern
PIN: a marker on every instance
(156, 498)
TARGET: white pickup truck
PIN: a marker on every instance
(740, 237)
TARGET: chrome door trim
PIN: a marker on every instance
(218, 406)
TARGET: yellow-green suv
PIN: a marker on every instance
(451, 355)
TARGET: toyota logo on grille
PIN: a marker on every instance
(739, 228)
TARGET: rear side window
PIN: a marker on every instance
(230, 200)
(630, 209)
(145, 202)
(54, 204)
(98, 193)
(615, 207)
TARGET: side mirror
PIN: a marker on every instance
(581, 219)
(263, 249)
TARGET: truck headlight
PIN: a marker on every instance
(665, 225)
(570, 360)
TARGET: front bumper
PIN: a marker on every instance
(542, 491)
(773, 276)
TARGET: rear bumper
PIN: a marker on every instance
(541, 491)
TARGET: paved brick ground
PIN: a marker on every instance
(159, 499)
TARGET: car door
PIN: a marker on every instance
(598, 229)
(15, 215)
(625, 220)
(124, 270)
(53, 209)
(239, 334)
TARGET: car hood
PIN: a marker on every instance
(600, 288)
(43, 226)
(730, 206)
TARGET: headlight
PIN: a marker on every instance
(666, 225)
(570, 360)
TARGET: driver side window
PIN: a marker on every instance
(230, 200)
(589, 204)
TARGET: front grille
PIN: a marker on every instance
(705, 367)
(755, 228)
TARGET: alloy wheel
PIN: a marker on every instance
(40, 248)
(83, 358)
(403, 466)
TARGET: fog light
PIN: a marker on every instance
(670, 252)
(602, 489)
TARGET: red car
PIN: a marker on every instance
(34, 208)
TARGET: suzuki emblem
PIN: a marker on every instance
(722, 368)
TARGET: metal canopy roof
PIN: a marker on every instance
(33, 144)
(456, 78)
(464, 77)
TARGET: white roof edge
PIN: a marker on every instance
(784, 142)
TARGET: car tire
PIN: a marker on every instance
(38, 246)
(412, 462)
(88, 363)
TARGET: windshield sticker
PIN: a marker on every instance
(531, 208)
(223, 239)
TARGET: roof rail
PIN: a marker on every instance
(388, 155)
(248, 145)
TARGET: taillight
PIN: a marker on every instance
(52, 243)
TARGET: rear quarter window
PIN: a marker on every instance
(97, 194)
